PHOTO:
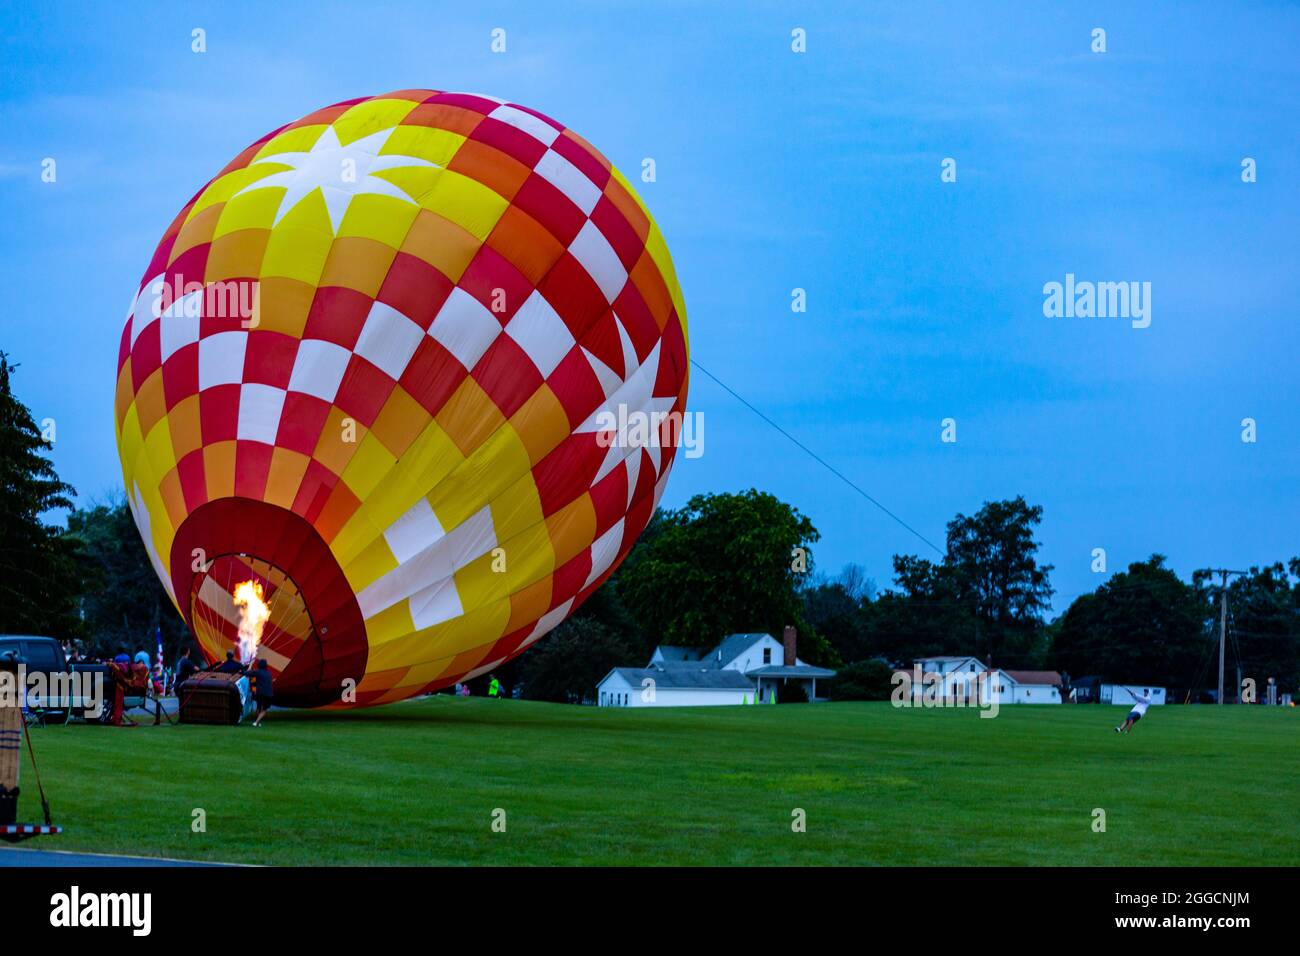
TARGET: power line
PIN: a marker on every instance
(817, 458)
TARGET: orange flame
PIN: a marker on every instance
(253, 615)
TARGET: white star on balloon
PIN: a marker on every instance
(323, 167)
(635, 389)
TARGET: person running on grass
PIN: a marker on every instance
(1140, 705)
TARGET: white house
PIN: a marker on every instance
(673, 687)
(949, 678)
(950, 665)
(744, 668)
(970, 679)
(1026, 687)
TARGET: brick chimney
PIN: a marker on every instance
(788, 640)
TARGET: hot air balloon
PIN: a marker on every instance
(371, 367)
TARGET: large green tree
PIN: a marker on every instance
(38, 561)
(833, 608)
(1143, 625)
(123, 601)
(923, 615)
(986, 596)
(725, 563)
(992, 556)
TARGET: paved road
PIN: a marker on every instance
(23, 856)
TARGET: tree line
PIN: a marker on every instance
(721, 564)
(89, 582)
(728, 563)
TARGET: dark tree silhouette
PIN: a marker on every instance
(39, 574)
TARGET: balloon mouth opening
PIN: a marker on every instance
(257, 579)
(246, 605)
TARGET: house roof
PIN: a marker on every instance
(1051, 678)
(698, 678)
(708, 664)
(672, 652)
(802, 670)
(732, 646)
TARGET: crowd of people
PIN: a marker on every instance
(137, 673)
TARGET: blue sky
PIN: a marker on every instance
(779, 170)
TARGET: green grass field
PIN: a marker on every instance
(417, 783)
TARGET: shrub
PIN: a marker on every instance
(863, 680)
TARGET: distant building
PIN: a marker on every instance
(1027, 687)
(970, 679)
(744, 668)
(952, 666)
(1094, 690)
(673, 687)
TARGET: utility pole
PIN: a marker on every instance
(1223, 621)
(1223, 629)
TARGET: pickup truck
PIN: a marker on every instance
(44, 655)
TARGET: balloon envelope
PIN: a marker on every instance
(373, 366)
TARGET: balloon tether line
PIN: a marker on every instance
(818, 458)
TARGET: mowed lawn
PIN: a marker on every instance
(418, 783)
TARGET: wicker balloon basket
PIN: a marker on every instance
(212, 697)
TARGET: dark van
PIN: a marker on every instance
(42, 655)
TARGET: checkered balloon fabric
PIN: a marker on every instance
(372, 367)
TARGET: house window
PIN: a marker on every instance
(767, 655)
